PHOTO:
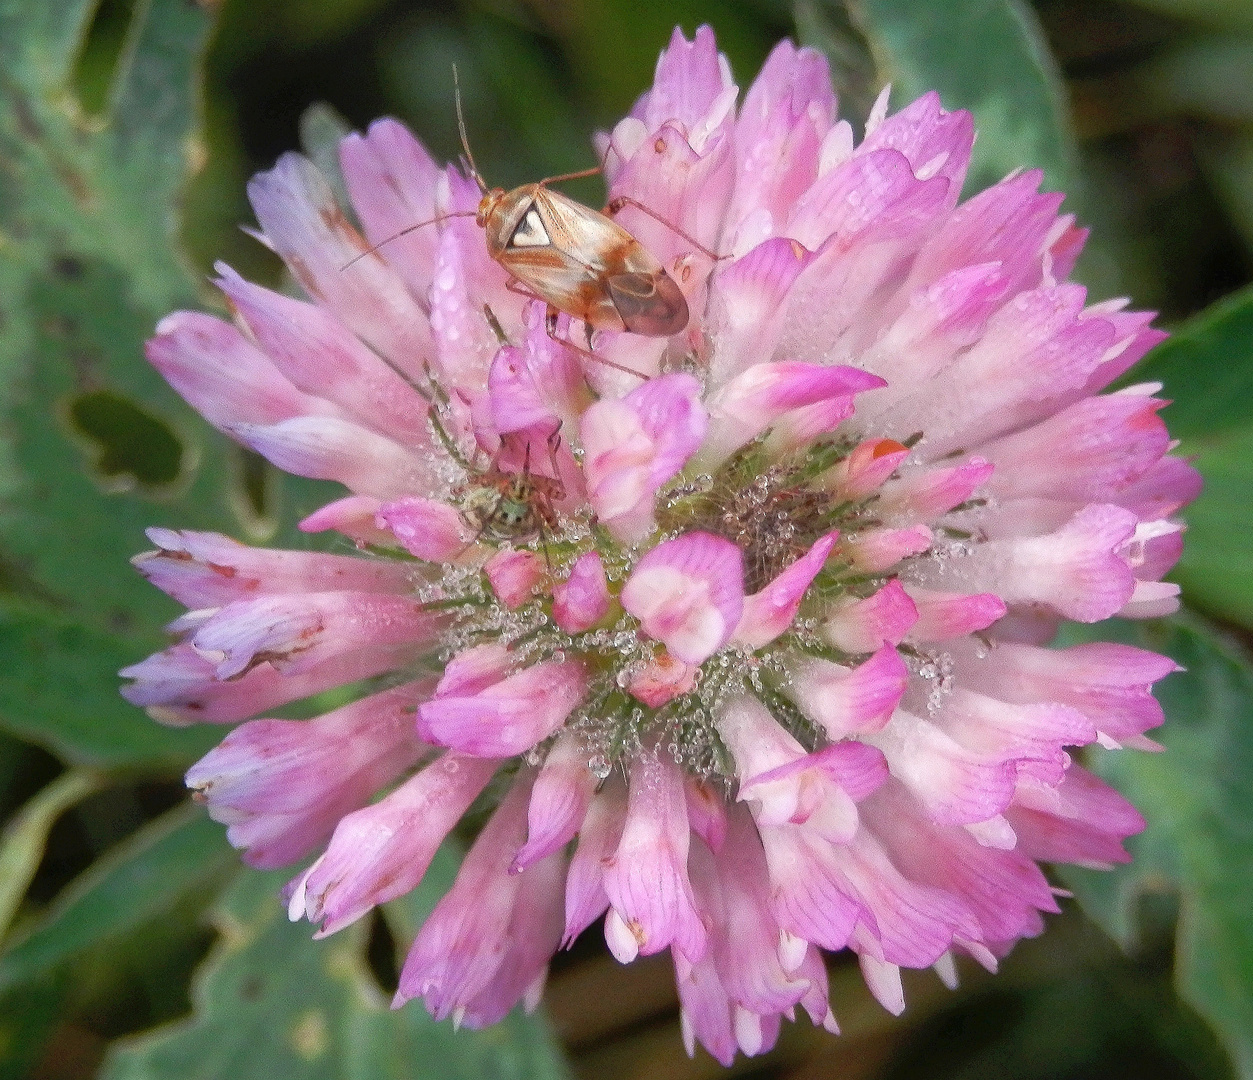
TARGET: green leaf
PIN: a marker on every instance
(1198, 800)
(1216, 570)
(93, 445)
(1206, 366)
(271, 1002)
(181, 852)
(59, 688)
(24, 837)
(988, 56)
(1207, 371)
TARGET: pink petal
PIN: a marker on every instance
(223, 376)
(328, 448)
(770, 612)
(462, 942)
(1085, 452)
(598, 839)
(382, 851)
(510, 716)
(427, 528)
(865, 469)
(582, 600)
(296, 632)
(559, 801)
(179, 686)
(863, 626)
(848, 702)
(353, 515)
(202, 570)
(747, 405)
(688, 593)
(1076, 570)
(392, 182)
(662, 679)
(298, 213)
(646, 881)
(322, 357)
(514, 576)
(634, 445)
(878, 550)
(282, 785)
(943, 616)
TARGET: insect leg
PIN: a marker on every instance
(494, 323)
(550, 325)
(617, 204)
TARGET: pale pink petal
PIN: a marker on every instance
(637, 443)
(769, 613)
(514, 575)
(295, 632)
(382, 851)
(510, 716)
(582, 600)
(426, 528)
(943, 615)
(748, 404)
(864, 626)
(688, 593)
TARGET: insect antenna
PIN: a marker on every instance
(465, 140)
(405, 232)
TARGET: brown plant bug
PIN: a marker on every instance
(576, 260)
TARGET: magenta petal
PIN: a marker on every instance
(582, 600)
(768, 613)
(427, 528)
(635, 444)
(509, 716)
(688, 593)
(646, 882)
(203, 570)
(382, 851)
(223, 376)
(514, 576)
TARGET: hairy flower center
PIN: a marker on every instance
(772, 506)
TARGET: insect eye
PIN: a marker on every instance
(530, 231)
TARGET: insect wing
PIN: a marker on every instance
(648, 304)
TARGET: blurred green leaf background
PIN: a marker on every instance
(130, 944)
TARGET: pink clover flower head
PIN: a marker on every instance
(755, 641)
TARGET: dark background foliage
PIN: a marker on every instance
(130, 944)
